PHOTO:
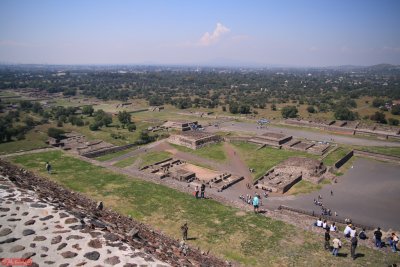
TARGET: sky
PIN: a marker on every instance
(201, 32)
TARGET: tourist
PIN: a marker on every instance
(255, 203)
(353, 232)
(336, 214)
(378, 238)
(393, 242)
(319, 222)
(362, 235)
(353, 247)
(184, 230)
(347, 231)
(331, 193)
(327, 238)
(48, 167)
(333, 228)
(202, 189)
(324, 225)
(196, 191)
(337, 244)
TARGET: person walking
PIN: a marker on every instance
(48, 167)
(393, 242)
(378, 238)
(354, 242)
(202, 189)
(196, 191)
(184, 230)
(337, 244)
(327, 238)
(256, 203)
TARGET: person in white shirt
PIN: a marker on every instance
(319, 222)
(333, 227)
(324, 224)
(353, 232)
(347, 230)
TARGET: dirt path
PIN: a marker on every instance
(235, 163)
(39, 150)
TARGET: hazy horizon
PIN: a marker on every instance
(205, 33)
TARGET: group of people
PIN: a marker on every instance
(393, 239)
(255, 201)
(201, 191)
(350, 232)
(324, 211)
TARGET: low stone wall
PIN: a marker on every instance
(343, 160)
(107, 151)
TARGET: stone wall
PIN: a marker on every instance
(146, 239)
(107, 151)
(343, 160)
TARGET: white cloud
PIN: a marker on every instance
(208, 39)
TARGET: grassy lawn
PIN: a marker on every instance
(303, 187)
(144, 159)
(213, 152)
(114, 155)
(334, 156)
(391, 151)
(265, 158)
(34, 139)
(252, 240)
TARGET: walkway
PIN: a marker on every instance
(312, 134)
(367, 193)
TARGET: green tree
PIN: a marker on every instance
(88, 110)
(289, 112)
(131, 127)
(343, 113)
(396, 109)
(379, 117)
(94, 126)
(393, 121)
(311, 109)
(124, 118)
(102, 118)
(55, 133)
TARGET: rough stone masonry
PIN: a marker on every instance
(48, 224)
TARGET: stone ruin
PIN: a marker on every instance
(223, 181)
(279, 140)
(45, 224)
(194, 139)
(184, 172)
(271, 139)
(78, 143)
(291, 171)
(181, 125)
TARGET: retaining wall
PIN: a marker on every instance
(107, 151)
(343, 160)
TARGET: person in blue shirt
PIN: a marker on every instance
(255, 203)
